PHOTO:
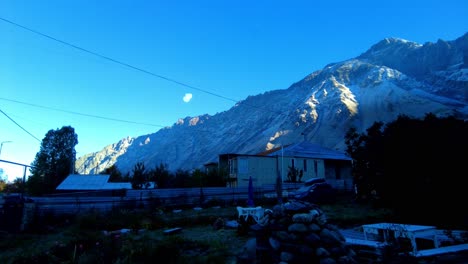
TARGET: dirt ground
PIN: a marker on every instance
(227, 236)
(236, 242)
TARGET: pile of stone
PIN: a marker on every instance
(298, 232)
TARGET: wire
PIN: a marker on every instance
(114, 60)
(131, 66)
(96, 116)
(19, 126)
(82, 114)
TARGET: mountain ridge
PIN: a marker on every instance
(375, 86)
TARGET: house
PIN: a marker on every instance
(210, 166)
(90, 182)
(310, 160)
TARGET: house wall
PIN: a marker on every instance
(336, 169)
(313, 168)
(264, 170)
(339, 174)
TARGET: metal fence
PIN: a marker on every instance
(106, 200)
(79, 202)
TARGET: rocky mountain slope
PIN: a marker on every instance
(393, 77)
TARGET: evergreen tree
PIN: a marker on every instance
(216, 178)
(182, 179)
(199, 178)
(139, 179)
(114, 174)
(413, 166)
(161, 176)
(54, 161)
(14, 187)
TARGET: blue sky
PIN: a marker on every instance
(219, 49)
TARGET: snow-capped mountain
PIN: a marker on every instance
(393, 77)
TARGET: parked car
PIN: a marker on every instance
(313, 181)
(315, 190)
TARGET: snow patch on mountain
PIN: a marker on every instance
(393, 77)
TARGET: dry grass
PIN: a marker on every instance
(80, 239)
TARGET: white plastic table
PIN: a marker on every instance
(401, 230)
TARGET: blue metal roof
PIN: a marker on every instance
(91, 182)
(310, 150)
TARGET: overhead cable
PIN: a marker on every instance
(82, 114)
(19, 125)
(130, 66)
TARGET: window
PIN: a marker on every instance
(305, 165)
(292, 163)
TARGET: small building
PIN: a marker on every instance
(210, 166)
(90, 182)
(310, 160)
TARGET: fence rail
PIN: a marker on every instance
(78, 202)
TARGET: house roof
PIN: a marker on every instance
(212, 163)
(267, 152)
(309, 150)
(91, 182)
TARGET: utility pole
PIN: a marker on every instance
(279, 183)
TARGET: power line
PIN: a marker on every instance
(114, 60)
(81, 114)
(19, 125)
(95, 116)
(131, 66)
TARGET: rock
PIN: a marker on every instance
(346, 260)
(257, 228)
(314, 228)
(298, 228)
(337, 251)
(312, 239)
(278, 211)
(302, 218)
(321, 220)
(314, 212)
(249, 252)
(298, 232)
(274, 243)
(287, 257)
(322, 252)
(281, 235)
(232, 224)
(171, 231)
(295, 206)
(329, 237)
(327, 261)
(305, 250)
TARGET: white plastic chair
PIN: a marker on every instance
(255, 212)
